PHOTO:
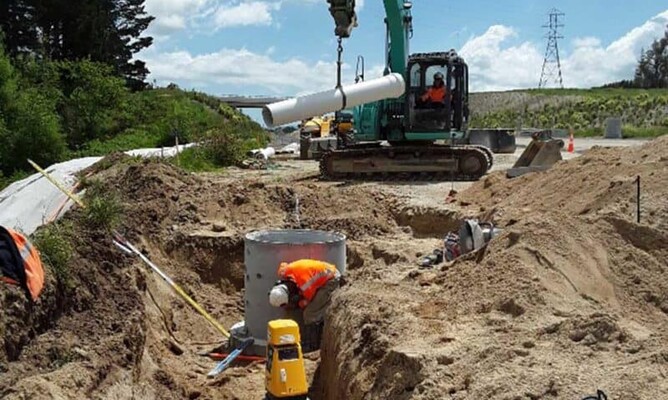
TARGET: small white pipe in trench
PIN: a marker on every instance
(299, 108)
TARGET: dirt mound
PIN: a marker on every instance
(562, 303)
(571, 296)
(601, 182)
(110, 328)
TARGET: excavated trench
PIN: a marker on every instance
(381, 232)
(119, 330)
(509, 321)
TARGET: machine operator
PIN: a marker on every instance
(434, 97)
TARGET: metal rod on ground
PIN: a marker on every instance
(638, 197)
(297, 211)
(126, 246)
(221, 366)
(222, 356)
(56, 183)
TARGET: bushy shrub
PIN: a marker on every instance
(53, 242)
(103, 207)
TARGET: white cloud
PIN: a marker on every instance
(231, 67)
(497, 61)
(493, 65)
(230, 70)
(245, 14)
(587, 42)
(173, 15)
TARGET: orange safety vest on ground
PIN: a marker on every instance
(435, 94)
(309, 276)
(21, 263)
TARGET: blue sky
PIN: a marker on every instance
(287, 47)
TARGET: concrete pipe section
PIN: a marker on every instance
(264, 252)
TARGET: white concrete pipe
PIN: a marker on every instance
(291, 110)
(265, 154)
(264, 252)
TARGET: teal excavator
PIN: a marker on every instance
(406, 137)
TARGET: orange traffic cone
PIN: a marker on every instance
(571, 145)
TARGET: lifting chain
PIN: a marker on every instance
(339, 64)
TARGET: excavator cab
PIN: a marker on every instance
(450, 114)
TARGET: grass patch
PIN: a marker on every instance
(598, 92)
(194, 159)
(628, 132)
(643, 132)
(103, 207)
(53, 242)
(131, 139)
(588, 132)
(219, 148)
(643, 112)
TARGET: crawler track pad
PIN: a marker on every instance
(429, 163)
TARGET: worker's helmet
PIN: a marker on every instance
(438, 76)
(278, 296)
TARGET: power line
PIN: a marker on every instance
(551, 72)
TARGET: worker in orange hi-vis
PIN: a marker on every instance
(20, 263)
(435, 95)
(307, 284)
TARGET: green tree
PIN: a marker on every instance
(652, 70)
(17, 22)
(28, 123)
(91, 97)
(107, 31)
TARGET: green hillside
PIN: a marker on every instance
(644, 112)
(52, 111)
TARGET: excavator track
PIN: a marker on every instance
(407, 163)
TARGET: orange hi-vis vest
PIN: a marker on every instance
(435, 94)
(33, 271)
(309, 276)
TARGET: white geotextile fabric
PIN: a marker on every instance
(27, 204)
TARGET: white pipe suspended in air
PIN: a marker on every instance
(300, 108)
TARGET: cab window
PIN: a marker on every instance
(288, 353)
(415, 75)
(429, 77)
(270, 356)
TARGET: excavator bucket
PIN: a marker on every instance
(540, 155)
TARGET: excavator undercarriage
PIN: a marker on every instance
(407, 162)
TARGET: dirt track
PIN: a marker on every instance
(570, 298)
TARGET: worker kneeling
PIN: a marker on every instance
(307, 284)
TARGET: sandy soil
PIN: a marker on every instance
(570, 298)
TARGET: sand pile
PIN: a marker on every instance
(572, 297)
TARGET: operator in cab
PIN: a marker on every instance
(307, 284)
(435, 95)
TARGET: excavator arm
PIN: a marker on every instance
(399, 25)
(343, 12)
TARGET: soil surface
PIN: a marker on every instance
(571, 297)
